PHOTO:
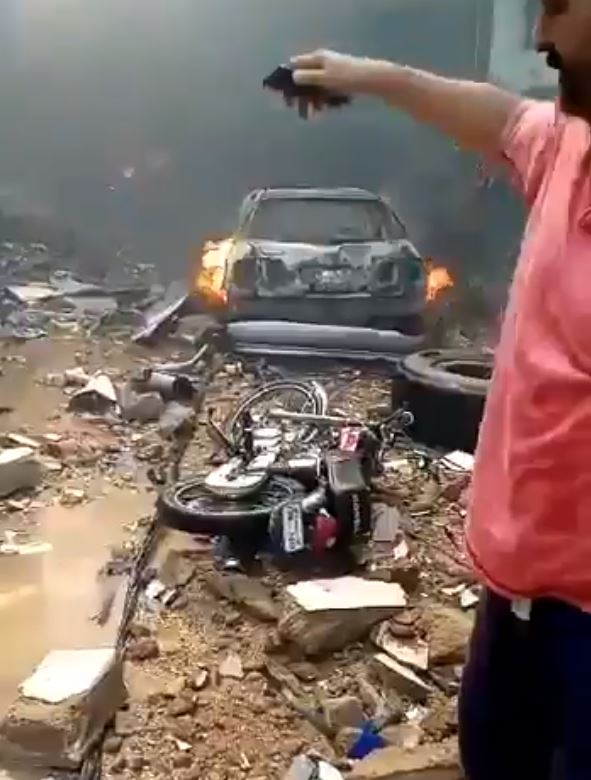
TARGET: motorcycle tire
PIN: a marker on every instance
(190, 507)
(312, 395)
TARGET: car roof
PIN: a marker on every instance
(315, 193)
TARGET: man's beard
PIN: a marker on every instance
(575, 84)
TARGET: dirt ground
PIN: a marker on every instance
(213, 694)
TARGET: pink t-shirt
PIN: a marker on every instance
(529, 527)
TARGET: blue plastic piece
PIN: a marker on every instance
(369, 740)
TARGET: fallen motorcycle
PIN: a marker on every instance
(296, 476)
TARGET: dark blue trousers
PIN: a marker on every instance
(525, 704)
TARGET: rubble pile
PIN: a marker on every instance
(39, 297)
(259, 674)
(248, 675)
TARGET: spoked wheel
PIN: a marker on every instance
(306, 397)
(190, 507)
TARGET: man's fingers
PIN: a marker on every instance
(312, 61)
(309, 78)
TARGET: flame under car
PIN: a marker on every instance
(335, 257)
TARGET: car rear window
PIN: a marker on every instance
(323, 221)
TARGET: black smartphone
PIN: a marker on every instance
(281, 80)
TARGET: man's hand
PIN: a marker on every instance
(340, 72)
(474, 114)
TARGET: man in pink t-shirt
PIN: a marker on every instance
(526, 692)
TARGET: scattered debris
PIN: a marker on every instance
(75, 377)
(63, 708)
(144, 686)
(442, 719)
(407, 736)
(127, 723)
(98, 397)
(343, 712)
(469, 598)
(247, 592)
(215, 672)
(19, 470)
(72, 496)
(18, 440)
(448, 632)
(231, 666)
(436, 762)
(143, 649)
(401, 678)
(141, 408)
(200, 679)
(30, 294)
(163, 314)
(305, 768)
(176, 570)
(319, 632)
(458, 461)
(177, 420)
(66, 673)
(346, 593)
(411, 652)
(331, 614)
(368, 741)
(170, 386)
(13, 547)
(182, 705)
(112, 744)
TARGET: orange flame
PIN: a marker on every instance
(438, 280)
(211, 277)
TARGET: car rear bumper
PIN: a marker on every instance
(356, 311)
(273, 337)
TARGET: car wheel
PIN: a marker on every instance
(445, 390)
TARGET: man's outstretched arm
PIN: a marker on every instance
(474, 114)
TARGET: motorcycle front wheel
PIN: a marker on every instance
(190, 507)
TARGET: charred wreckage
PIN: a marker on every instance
(332, 273)
(293, 477)
(325, 269)
(323, 272)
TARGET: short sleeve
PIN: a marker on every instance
(527, 144)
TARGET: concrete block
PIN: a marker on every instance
(18, 470)
(73, 703)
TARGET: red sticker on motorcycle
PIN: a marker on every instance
(350, 439)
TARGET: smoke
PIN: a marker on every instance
(143, 123)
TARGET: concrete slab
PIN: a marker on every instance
(59, 735)
(18, 470)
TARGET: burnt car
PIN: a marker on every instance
(335, 257)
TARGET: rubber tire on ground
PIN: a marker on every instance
(446, 391)
(237, 518)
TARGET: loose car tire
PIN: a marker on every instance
(445, 390)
